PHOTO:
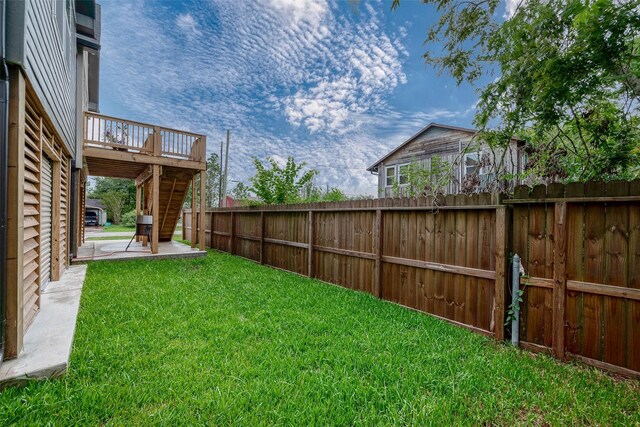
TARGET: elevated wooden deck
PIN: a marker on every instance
(112, 145)
(163, 162)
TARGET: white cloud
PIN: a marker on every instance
(289, 78)
(312, 11)
(187, 23)
(511, 7)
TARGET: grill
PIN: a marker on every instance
(143, 228)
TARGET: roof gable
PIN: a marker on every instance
(418, 135)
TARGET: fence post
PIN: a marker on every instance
(212, 225)
(501, 271)
(310, 266)
(231, 238)
(261, 237)
(559, 277)
(377, 249)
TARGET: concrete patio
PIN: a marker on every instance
(114, 250)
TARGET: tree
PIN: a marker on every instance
(334, 194)
(212, 183)
(312, 194)
(240, 192)
(565, 77)
(115, 202)
(423, 181)
(125, 188)
(279, 185)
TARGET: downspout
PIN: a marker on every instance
(4, 176)
(72, 235)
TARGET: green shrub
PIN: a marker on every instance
(129, 219)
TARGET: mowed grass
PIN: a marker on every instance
(223, 341)
(118, 228)
(125, 228)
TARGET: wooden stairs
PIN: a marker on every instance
(174, 186)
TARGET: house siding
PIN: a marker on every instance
(447, 144)
(42, 41)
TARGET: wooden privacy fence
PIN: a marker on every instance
(580, 248)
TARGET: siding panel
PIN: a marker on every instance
(49, 61)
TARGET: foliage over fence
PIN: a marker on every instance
(448, 256)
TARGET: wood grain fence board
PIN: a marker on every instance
(449, 258)
(485, 252)
(438, 277)
(560, 281)
(472, 260)
(633, 281)
(420, 255)
(549, 263)
(459, 291)
(616, 256)
(502, 218)
(594, 269)
(536, 260)
(520, 246)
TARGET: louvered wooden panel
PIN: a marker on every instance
(46, 189)
(31, 264)
(64, 213)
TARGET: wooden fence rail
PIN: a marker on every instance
(580, 248)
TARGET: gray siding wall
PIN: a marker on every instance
(42, 41)
(445, 144)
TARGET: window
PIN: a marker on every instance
(390, 175)
(471, 164)
(403, 171)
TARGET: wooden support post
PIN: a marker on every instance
(157, 141)
(55, 221)
(194, 212)
(231, 238)
(184, 225)
(262, 237)
(203, 207)
(377, 249)
(501, 272)
(14, 330)
(155, 209)
(138, 197)
(310, 263)
(559, 278)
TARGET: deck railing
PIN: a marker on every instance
(114, 133)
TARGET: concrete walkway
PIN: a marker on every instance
(47, 344)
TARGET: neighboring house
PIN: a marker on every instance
(437, 145)
(51, 51)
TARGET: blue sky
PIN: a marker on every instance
(332, 84)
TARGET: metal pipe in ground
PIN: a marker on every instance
(515, 295)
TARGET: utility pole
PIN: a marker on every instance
(220, 177)
(226, 170)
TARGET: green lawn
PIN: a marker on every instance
(118, 228)
(123, 228)
(220, 340)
